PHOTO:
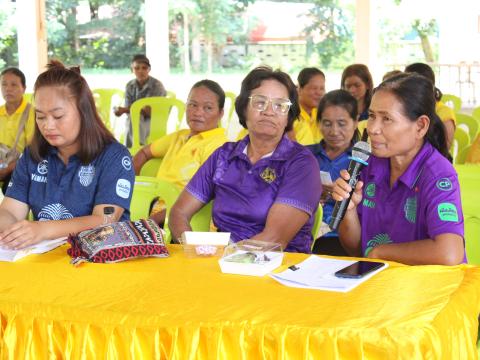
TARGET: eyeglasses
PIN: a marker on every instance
(279, 105)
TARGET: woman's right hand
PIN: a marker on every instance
(341, 190)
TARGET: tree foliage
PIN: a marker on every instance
(8, 36)
(329, 35)
(102, 43)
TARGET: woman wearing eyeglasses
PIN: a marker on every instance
(265, 186)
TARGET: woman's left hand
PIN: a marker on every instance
(326, 193)
(21, 234)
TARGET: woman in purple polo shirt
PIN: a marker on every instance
(406, 207)
(265, 186)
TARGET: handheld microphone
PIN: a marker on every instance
(360, 153)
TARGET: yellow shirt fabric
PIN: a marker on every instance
(9, 126)
(182, 156)
(307, 130)
(445, 113)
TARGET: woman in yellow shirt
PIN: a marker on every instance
(184, 151)
(311, 88)
(13, 86)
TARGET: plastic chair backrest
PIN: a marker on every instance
(150, 168)
(470, 122)
(461, 140)
(228, 110)
(462, 155)
(160, 111)
(452, 101)
(103, 101)
(317, 223)
(201, 220)
(476, 113)
(469, 178)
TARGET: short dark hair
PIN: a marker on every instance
(363, 73)
(422, 103)
(141, 58)
(94, 135)
(214, 87)
(343, 99)
(306, 74)
(254, 80)
(427, 71)
(17, 72)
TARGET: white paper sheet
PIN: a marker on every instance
(325, 177)
(40, 248)
(318, 273)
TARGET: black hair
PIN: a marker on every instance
(140, 58)
(254, 80)
(363, 73)
(427, 71)
(343, 99)
(307, 74)
(17, 72)
(214, 87)
(416, 94)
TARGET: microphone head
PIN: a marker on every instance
(361, 150)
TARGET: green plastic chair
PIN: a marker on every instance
(160, 111)
(317, 222)
(462, 155)
(470, 122)
(150, 168)
(469, 178)
(461, 140)
(476, 113)
(103, 101)
(452, 101)
(227, 117)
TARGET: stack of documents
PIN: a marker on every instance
(318, 273)
(40, 248)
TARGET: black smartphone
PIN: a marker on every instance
(359, 269)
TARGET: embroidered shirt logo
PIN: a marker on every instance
(410, 209)
(377, 240)
(447, 212)
(268, 175)
(42, 167)
(444, 184)
(54, 212)
(127, 163)
(370, 190)
(86, 174)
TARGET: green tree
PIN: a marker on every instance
(424, 30)
(329, 36)
(8, 36)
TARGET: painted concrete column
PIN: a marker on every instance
(156, 37)
(32, 38)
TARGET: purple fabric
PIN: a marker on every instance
(423, 202)
(244, 193)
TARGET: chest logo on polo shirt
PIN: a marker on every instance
(268, 175)
(42, 167)
(86, 174)
(54, 212)
(370, 190)
(410, 209)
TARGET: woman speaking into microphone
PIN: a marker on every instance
(406, 206)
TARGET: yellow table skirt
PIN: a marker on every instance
(180, 308)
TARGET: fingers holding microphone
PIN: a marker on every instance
(341, 190)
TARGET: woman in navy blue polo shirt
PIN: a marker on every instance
(72, 169)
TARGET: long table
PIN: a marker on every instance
(183, 308)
